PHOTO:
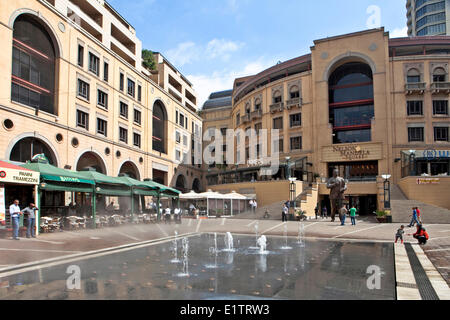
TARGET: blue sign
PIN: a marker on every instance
(432, 154)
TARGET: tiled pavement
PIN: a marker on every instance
(65, 243)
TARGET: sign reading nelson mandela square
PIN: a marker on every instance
(259, 154)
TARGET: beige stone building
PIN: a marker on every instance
(362, 103)
(73, 87)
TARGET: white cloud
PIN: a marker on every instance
(189, 52)
(221, 48)
(205, 84)
(184, 53)
(399, 33)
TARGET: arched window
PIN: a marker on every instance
(277, 96)
(257, 104)
(413, 76)
(129, 169)
(351, 102)
(247, 108)
(196, 185)
(294, 92)
(439, 75)
(33, 66)
(159, 127)
(181, 183)
(27, 148)
(91, 160)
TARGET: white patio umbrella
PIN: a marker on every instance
(211, 195)
(236, 197)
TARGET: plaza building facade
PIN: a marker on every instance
(74, 88)
(428, 17)
(361, 103)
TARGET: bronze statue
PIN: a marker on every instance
(337, 188)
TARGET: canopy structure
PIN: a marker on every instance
(108, 186)
(217, 203)
(142, 188)
(165, 191)
(56, 179)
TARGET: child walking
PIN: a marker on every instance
(399, 234)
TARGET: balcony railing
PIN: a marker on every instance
(293, 103)
(415, 88)
(245, 118)
(257, 114)
(277, 107)
(440, 87)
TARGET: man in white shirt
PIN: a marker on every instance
(15, 213)
(177, 213)
(255, 205)
(167, 215)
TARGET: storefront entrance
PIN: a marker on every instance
(365, 205)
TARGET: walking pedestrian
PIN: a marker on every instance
(255, 206)
(167, 215)
(353, 215)
(30, 211)
(324, 212)
(399, 234)
(342, 214)
(284, 213)
(414, 219)
(418, 215)
(316, 210)
(250, 203)
(15, 213)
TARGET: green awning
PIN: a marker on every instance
(165, 190)
(108, 186)
(141, 188)
(57, 179)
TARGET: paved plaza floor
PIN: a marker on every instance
(29, 253)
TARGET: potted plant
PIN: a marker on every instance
(381, 216)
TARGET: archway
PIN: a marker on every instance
(130, 169)
(180, 184)
(28, 147)
(33, 78)
(91, 160)
(351, 102)
(159, 137)
(196, 185)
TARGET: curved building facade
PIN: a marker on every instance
(361, 103)
(428, 17)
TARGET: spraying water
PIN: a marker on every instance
(262, 244)
(213, 251)
(256, 236)
(229, 246)
(301, 234)
(175, 249)
(286, 247)
(185, 272)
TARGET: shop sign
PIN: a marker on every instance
(351, 152)
(19, 176)
(428, 181)
(432, 154)
(2, 203)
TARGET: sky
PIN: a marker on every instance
(212, 42)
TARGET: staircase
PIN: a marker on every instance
(402, 209)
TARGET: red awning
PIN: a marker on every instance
(8, 165)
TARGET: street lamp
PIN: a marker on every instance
(412, 162)
(387, 191)
(288, 168)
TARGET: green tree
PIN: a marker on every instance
(148, 59)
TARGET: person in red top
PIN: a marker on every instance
(418, 215)
(421, 235)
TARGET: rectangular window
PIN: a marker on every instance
(416, 134)
(276, 99)
(281, 146)
(122, 82)
(131, 88)
(440, 107)
(83, 89)
(177, 155)
(139, 94)
(176, 117)
(295, 94)
(82, 119)
(185, 141)
(278, 123)
(182, 120)
(102, 127)
(415, 108)
(137, 116)
(177, 137)
(136, 140)
(238, 119)
(295, 120)
(80, 55)
(105, 71)
(296, 143)
(102, 99)
(94, 64)
(441, 134)
(123, 135)
(192, 127)
(413, 79)
(124, 110)
(223, 131)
